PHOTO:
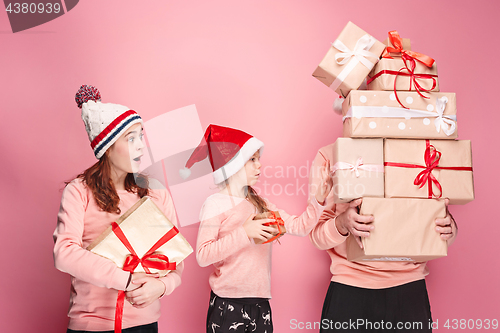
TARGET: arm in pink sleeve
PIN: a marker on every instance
(325, 234)
(303, 224)
(173, 279)
(69, 255)
(209, 247)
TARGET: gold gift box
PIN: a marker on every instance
(358, 166)
(279, 230)
(377, 114)
(143, 225)
(455, 155)
(328, 69)
(405, 230)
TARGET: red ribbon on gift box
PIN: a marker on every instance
(410, 65)
(149, 260)
(431, 159)
(397, 41)
(278, 222)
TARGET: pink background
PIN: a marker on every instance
(245, 64)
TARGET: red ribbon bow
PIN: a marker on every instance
(410, 65)
(149, 260)
(278, 222)
(397, 41)
(431, 159)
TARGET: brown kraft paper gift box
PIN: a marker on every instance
(405, 230)
(280, 230)
(348, 76)
(385, 81)
(409, 161)
(143, 225)
(357, 167)
(368, 113)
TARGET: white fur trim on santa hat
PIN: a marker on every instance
(238, 162)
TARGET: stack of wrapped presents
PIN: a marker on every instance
(399, 150)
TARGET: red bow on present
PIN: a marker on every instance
(397, 41)
(149, 260)
(278, 221)
(410, 65)
(431, 159)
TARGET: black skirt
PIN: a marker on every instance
(403, 308)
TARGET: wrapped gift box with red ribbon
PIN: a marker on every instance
(349, 60)
(405, 230)
(143, 240)
(429, 169)
(403, 75)
(278, 225)
(357, 168)
(378, 114)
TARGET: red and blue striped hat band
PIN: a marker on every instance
(113, 131)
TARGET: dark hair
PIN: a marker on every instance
(98, 179)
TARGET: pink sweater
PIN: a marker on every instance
(325, 236)
(95, 281)
(242, 268)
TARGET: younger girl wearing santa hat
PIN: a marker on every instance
(241, 281)
(89, 204)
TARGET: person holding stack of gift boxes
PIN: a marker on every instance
(394, 173)
(89, 205)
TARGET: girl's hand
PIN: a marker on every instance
(150, 288)
(326, 183)
(351, 222)
(256, 228)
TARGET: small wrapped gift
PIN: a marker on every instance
(143, 240)
(357, 168)
(408, 75)
(349, 60)
(377, 114)
(278, 225)
(405, 230)
(429, 169)
(398, 47)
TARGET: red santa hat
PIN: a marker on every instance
(228, 150)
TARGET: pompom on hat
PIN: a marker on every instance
(104, 122)
(228, 150)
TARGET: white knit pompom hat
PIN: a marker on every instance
(104, 122)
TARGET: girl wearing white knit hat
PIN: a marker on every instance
(89, 204)
(228, 233)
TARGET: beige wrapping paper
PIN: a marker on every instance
(370, 182)
(405, 230)
(279, 231)
(328, 70)
(386, 81)
(383, 103)
(457, 185)
(143, 225)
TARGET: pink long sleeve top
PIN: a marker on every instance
(95, 280)
(241, 268)
(325, 236)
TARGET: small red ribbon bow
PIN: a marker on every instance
(397, 41)
(278, 222)
(149, 260)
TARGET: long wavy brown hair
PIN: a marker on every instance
(98, 179)
(256, 199)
